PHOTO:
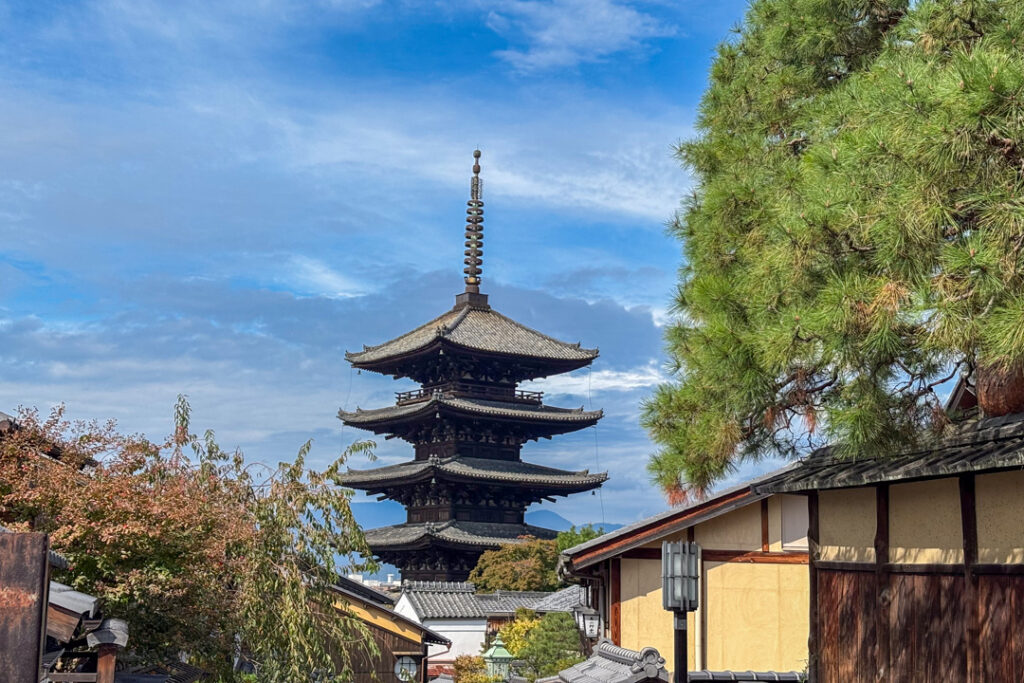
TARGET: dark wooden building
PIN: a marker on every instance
(466, 489)
(917, 561)
(401, 643)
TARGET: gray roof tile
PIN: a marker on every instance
(472, 406)
(613, 664)
(561, 600)
(474, 468)
(487, 534)
(458, 600)
(481, 329)
(977, 446)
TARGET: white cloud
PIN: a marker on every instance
(310, 276)
(584, 383)
(565, 33)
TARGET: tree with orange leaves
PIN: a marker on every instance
(183, 541)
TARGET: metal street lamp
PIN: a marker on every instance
(680, 576)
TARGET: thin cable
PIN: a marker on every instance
(597, 450)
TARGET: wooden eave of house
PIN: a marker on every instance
(380, 614)
(975, 446)
(663, 524)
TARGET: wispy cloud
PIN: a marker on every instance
(311, 276)
(586, 382)
(565, 33)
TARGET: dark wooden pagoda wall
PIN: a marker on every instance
(883, 622)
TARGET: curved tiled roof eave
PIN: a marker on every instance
(472, 407)
(448, 328)
(470, 469)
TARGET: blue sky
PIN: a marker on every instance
(219, 199)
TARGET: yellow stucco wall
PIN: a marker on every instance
(999, 500)
(775, 524)
(757, 616)
(643, 621)
(924, 522)
(737, 530)
(846, 525)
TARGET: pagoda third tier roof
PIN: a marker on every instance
(484, 470)
(479, 330)
(548, 419)
(452, 533)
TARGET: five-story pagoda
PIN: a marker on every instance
(466, 490)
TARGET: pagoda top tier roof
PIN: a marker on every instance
(548, 419)
(482, 469)
(472, 326)
(454, 533)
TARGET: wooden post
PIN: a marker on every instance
(765, 540)
(615, 586)
(969, 527)
(105, 662)
(882, 591)
(813, 647)
(24, 589)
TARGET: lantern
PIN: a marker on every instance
(498, 659)
(588, 620)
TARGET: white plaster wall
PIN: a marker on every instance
(467, 636)
(405, 608)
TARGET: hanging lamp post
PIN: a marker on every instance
(680, 577)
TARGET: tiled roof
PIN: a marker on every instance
(486, 534)
(670, 521)
(361, 590)
(747, 676)
(561, 600)
(457, 600)
(978, 446)
(480, 329)
(472, 406)
(613, 664)
(486, 469)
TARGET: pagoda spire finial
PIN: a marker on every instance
(474, 229)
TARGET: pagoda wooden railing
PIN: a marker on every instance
(459, 389)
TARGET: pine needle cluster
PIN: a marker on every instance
(855, 233)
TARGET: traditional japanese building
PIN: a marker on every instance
(466, 488)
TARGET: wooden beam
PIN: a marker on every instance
(813, 648)
(882, 591)
(615, 581)
(753, 557)
(765, 542)
(969, 528)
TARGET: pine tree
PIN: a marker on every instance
(854, 237)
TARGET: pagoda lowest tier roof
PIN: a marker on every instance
(453, 534)
(558, 420)
(485, 470)
(474, 328)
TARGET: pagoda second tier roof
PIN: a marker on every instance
(452, 533)
(485, 470)
(557, 420)
(478, 329)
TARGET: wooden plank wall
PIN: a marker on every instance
(889, 623)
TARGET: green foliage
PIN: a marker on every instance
(515, 632)
(551, 646)
(184, 543)
(528, 565)
(471, 669)
(855, 236)
(573, 536)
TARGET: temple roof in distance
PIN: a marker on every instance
(483, 469)
(453, 532)
(525, 412)
(474, 328)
